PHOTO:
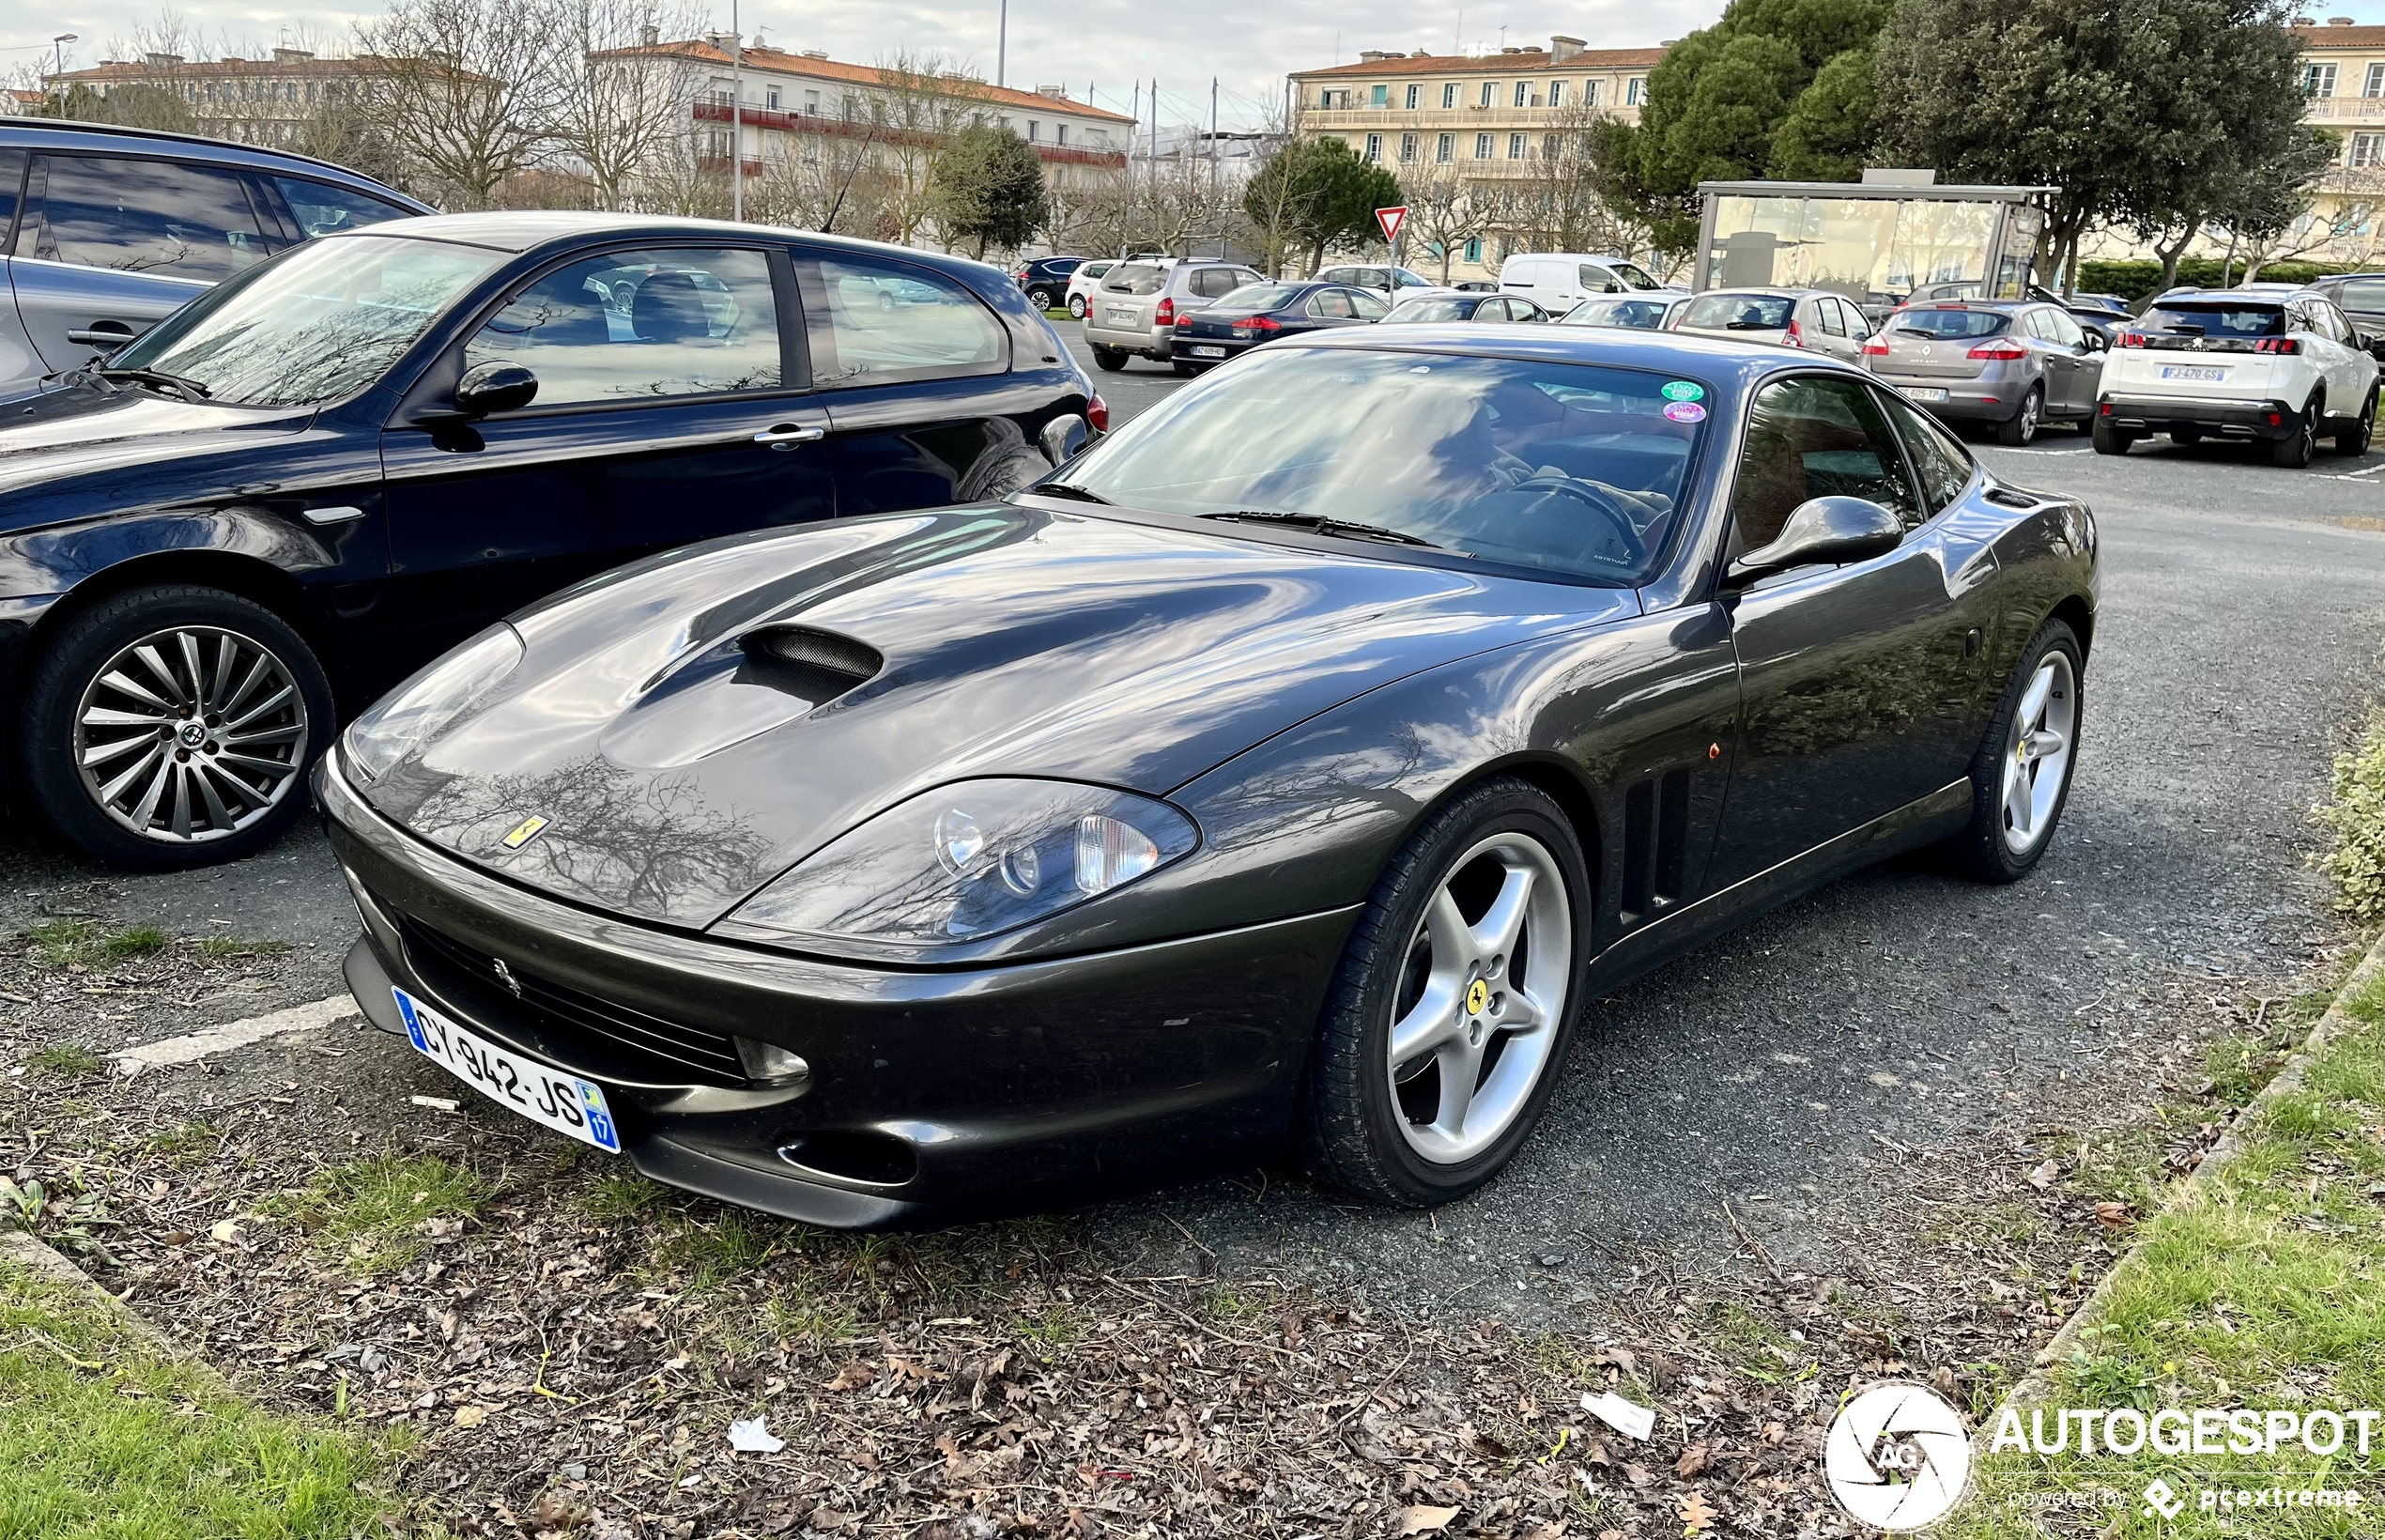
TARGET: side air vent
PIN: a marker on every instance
(818, 666)
(1655, 845)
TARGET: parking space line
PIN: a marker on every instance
(231, 1034)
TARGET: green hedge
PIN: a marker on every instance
(2135, 280)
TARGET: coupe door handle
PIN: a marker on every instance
(109, 335)
(781, 435)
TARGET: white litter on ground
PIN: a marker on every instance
(1632, 1421)
(753, 1436)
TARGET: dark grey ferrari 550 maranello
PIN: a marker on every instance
(1284, 773)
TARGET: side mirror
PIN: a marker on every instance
(495, 386)
(1832, 529)
(2377, 349)
(2095, 341)
(1063, 438)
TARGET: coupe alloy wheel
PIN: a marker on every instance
(2037, 758)
(1484, 989)
(191, 734)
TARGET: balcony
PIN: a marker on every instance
(1437, 119)
(716, 109)
(2343, 109)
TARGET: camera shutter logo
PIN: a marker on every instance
(1897, 1458)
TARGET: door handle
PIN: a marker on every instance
(787, 435)
(102, 334)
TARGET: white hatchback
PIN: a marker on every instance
(2283, 368)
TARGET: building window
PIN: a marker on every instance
(1411, 97)
(1325, 98)
(771, 99)
(811, 104)
(1407, 150)
(1035, 130)
(1446, 150)
(1373, 146)
(2368, 149)
(1590, 93)
(1449, 95)
(1523, 92)
(1060, 134)
(1552, 146)
(1557, 93)
(2376, 85)
(1474, 250)
(1482, 147)
(1515, 147)
(2318, 80)
(1489, 92)
(1635, 91)
(1379, 97)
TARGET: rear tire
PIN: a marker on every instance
(1041, 298)
(2294, 451)
(1469, 948)
(1108, 360)
(242, 710)
(2021, 426)
(2021, 776)
(1076, 307)
(2109, 440)
(1184, 369)
(2355, 437)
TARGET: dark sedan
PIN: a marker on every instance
(345, 460)
(1467, 307)
(1287, 773)
(1263, 312)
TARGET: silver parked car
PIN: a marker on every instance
(1133, 313)
(2016, 364)
(1633, 311)
(1395, 284)
(1811, 318)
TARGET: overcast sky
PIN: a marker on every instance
(1105, 45)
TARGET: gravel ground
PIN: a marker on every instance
(1869, 1133)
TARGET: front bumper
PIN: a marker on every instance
(2217, 416)
(933, 1096)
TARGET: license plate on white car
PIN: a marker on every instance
(1923, 393)
(565, 1104)
(1207, 352)
(2184, 371)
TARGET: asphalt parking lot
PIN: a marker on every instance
(2238, 638)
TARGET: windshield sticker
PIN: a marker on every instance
(1684, 390)
(1686, 411)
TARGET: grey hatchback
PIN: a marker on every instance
(106, 230)
(2011, 362)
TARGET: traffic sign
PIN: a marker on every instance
(1390, 220)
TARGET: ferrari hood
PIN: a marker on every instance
(692, 726)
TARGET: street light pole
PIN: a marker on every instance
(1002, 45)
(58, 49)
(736, 116)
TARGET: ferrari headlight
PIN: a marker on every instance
(423, 706)
(967, 860)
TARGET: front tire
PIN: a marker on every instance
(2109, 440)
(1041, 298)
(2355, 437)
(1076, 307)
(1108, 360)
(2294, 451)
(2021, 776)
(2021, 426)
(173, 727)
(1455, 1002)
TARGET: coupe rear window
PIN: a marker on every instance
(1739, 312)
(2216, 320)
(1951, 325)
(1569, 469)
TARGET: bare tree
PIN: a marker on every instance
(465, 90)
(921, 101)
(620, 100)
(1442, 212)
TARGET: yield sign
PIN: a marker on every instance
(1390, 220)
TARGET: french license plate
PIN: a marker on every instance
(565, 1104)
(1919, 392)
(1207, 352)
(2181, 371)
(1120, 317)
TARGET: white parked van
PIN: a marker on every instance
(1561, 280)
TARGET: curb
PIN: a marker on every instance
(22, 1248)
(2034, 1389)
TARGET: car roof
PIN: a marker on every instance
(2264, 296)
(528, 229)
(1623, 347)
(1999, 305)
(1765, 292)
(73, 133)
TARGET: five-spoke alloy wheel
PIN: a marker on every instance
(1453, 1003)
(2021, 776)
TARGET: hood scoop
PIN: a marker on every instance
(738, 689)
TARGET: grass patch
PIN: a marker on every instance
(63, 944)
(65, 1058)
(621, 1195)
(726, 1248)
(102, 1439)
(2261, 1287)
(378, 1207)
(2355, 810)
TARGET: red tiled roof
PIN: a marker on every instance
(1460, 64)
(780, 62)
(2340, 37)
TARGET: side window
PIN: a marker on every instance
(1809, 438)
(2365, 294)
(1369, 307)
(2298, 318)
(1943, 464)
(1858, 326)
(888, 321)
(1335, 276)
(1215, 283)
(2337, 326)
(140, 216)
(1832, 322)
(2067, 332)
(631, 326)
(321, 208)
(1332, 304)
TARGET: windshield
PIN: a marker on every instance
(1641, 315)
(1739, 312)
(317, 323)
(2218, 319)
(1951, 325)
(1433, 310)
(1633, 275)
(1569, 470)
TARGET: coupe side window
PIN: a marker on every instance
(1815, 437)
(138, 215)
(1369, 307)
(887, 321)
(321, 208)
(631, 326)
(1944, 465)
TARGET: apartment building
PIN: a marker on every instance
(255, 101)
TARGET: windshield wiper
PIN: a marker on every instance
(1066, 489)
(1320, 524)
(191, 390)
